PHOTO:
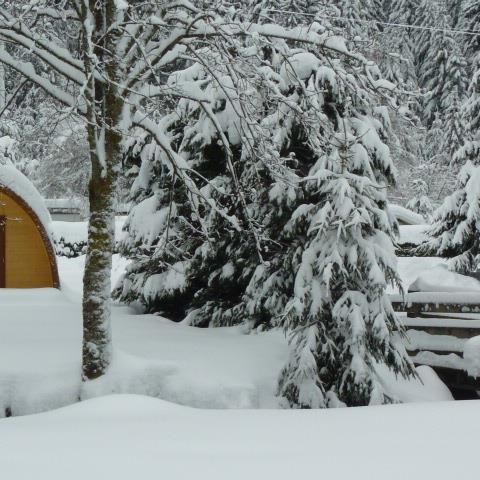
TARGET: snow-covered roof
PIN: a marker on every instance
(406, 216)
(19, 184)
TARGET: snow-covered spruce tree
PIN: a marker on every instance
(172, 273)
(471, 105)
(340, 319)
(358, 21)
(454, 9)
(444, 75)
(398, 62)
(165, 228)
(470, 21)
(426, 17)
(312, 153)
(455, 232)
(183, 257)
(377, 11)
(432, 166)
(288, 13)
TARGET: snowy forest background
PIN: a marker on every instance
(261, 168)
(433, 66)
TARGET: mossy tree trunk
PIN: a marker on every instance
(105, 112)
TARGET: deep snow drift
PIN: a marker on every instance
(129, 437)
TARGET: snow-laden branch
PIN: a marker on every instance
(56, 14)
(28, 71)
(180, 167)
(10, 23)
(72, 73)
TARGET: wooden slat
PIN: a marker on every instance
(419, 308)
(469, 317)
(3, 221)
(436, 352)
(414, 309)
(458, 332)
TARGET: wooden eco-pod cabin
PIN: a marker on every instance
(27, 256)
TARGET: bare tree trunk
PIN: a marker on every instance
(105, 112)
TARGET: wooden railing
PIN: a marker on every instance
(438, 325)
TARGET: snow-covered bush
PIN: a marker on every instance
(69, 249)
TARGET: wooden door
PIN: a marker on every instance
(3, 226)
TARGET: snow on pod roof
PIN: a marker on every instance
(19, 184)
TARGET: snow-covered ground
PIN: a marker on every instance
(131, 437)
(40, 339)
(238, 432)
(40, 346)
(75, 232)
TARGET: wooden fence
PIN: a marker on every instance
(438, 325)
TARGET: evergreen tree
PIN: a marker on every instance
(427, 14)
(300, 189)
(455, 9)
(339, 316)
(358, 21)
(399, 60)
(377, 11)
(434, 164)
(455, 232)
(445, 74)
(289, 13)
(470, 22)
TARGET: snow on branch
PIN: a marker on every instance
(10, 23)
(28, 71)
(73, 73)
(180, 167)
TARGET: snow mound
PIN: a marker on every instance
(427, 388)
(471, 355)
(440, 279)
(19, 184)
(405, 216)
(125, 436)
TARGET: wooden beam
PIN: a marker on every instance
(3, 223)
(415, 309)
